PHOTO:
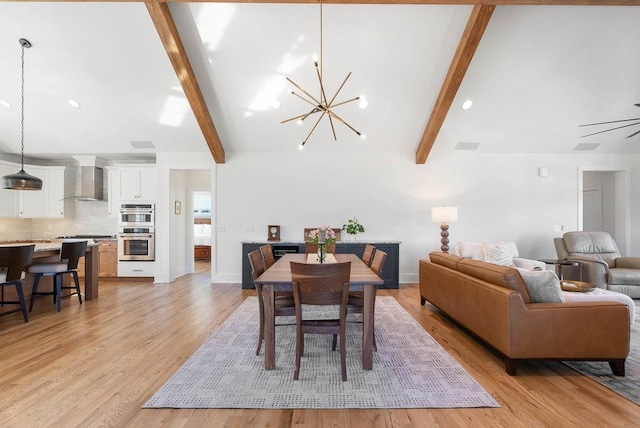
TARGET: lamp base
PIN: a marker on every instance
(444, 233)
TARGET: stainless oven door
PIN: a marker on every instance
(131, 218)
(136, 246)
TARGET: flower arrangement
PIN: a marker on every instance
(323, 235)
(353, 227)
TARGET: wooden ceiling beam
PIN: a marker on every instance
(164, 23)
(477, 23)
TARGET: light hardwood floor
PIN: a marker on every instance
(96, 364)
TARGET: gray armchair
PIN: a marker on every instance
(600, 261)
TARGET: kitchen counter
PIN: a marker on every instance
(49, 250)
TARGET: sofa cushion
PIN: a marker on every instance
(543, 286)
(498, 254)
(599, 295)
(470, 250)
(503, 276)
(445, 259)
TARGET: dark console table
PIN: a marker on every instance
(390, 272)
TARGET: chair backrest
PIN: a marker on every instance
(600, 244)
(367, 256)
(16, 259)
(378, 261)
(310, 248)
(72, 251)
(267, 256)
(257, 264)
(320, 284)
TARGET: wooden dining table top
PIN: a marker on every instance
(280, 272)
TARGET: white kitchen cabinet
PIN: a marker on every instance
(136, 268)
(32, 203)
(137, 184)
(57, 183)
(113, 192)
(8, 198)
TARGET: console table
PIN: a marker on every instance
(390, 271)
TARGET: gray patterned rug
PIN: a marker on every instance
(410, 369)
(627, 386)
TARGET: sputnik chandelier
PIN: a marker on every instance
(322, 104)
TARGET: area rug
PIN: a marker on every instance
(627, 386)
(410, 369)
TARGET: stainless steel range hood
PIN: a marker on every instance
(91, 184)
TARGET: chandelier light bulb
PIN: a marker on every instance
(363, 103)
(301, 147)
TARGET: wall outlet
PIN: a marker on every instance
(557, 228)
(249, 229)
(220, 229)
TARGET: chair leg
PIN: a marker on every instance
(299, 345)
(34, 290)
(343, 351)
(57, 279)
(77, 282)
(261, 333)
(334, 342)
(23, 306)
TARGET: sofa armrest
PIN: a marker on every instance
(628, 262)
(569, 330)
(529, 264)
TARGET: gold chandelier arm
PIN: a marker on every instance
(305, 92)
(335, 138)
(344, 102)
(302, 116)
(314, 127)
(343, 122)
(323, 96)
(340, 88)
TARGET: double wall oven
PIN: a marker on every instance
(136, 235)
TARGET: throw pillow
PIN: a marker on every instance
(470, 250)
(543, 286)
(498, 254)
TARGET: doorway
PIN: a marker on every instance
(202, 221)
(604, 203)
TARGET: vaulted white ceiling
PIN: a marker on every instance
(538, 73)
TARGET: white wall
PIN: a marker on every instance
(499, 197)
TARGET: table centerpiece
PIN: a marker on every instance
(322, 237)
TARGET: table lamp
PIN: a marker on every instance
(444, 215)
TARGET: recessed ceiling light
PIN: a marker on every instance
(363, 103)
(4, 103)
(467, 146)
(73, 103)
(467, 105)
(586, 146)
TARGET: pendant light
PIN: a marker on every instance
(21, 180)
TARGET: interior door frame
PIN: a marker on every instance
(623, 199)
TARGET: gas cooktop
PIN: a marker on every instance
(87, 237)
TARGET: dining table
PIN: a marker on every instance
(278, 278)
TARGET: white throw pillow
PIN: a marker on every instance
(498, 254)
(471, 250)
(543, 285)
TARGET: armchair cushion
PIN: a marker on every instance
(590, 242)
(620, 276)
(628, 262)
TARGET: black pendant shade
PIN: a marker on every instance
(21, 180)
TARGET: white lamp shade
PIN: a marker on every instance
(444, 214)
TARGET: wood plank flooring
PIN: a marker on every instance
(96, 364)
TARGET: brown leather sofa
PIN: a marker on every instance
(493, 303)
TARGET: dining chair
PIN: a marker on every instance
(367, 256)
(283, 304)
(310, 248)
(321, 284)
(267, 256)
(355, 304)
(14, 261)
(70, 253)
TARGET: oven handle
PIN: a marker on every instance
(136, 235)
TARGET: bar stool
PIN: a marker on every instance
(69, 255)
(15, 260)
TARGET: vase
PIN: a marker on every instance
(322, 253)
(352, 237)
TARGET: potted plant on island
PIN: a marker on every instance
(353, 227)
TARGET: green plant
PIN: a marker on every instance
(353, 227)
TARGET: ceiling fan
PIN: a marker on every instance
(635, 120)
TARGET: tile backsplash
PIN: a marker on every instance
(91, 218)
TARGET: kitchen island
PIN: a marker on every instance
(47, 251)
